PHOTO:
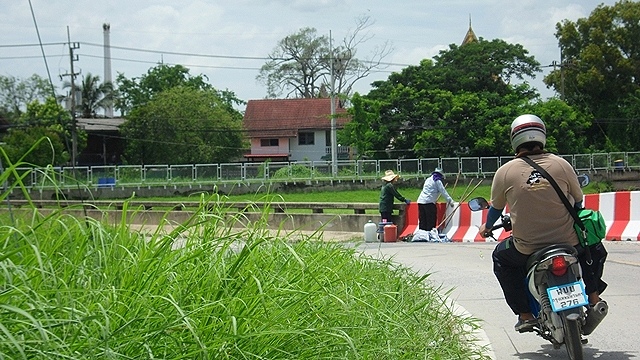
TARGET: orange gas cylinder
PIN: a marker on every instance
(390, 233)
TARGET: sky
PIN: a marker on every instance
(229, 40)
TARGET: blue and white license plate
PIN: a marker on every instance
(567, 296)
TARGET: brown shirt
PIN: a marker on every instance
(538, 215)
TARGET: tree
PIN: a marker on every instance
(461, 104)
(183, 125)
(566, 126)
(599, 71)
(139, 91)
(43, 120)
(93, 95)
(16, 93)
(364, 132)
(484, 66)
(301, 64)
(625, 128)
(37, 145)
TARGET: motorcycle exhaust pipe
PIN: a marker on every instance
(595, 314)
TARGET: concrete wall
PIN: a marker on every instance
(307, 222)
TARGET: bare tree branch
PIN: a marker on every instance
(300, 65)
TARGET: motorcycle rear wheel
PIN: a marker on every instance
(572, 337)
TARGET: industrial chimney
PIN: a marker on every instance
(107, 64)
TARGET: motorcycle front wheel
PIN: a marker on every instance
(572, 337)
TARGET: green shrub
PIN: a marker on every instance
(294, 171)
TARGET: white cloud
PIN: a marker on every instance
(413, 56)
(416, 29)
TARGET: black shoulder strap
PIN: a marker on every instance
(553, 183)
(565, 201)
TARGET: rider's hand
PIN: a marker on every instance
(483, 231)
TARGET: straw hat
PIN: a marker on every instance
(389, 175)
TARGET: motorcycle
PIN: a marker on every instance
(557, 298)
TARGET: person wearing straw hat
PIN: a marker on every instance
(388, 193)
(431, 190)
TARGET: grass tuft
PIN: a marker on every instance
(81, 289)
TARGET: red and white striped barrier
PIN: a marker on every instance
(621, 212)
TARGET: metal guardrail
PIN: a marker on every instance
(299, 171)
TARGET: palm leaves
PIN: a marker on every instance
(92, 95)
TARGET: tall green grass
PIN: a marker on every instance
(79, 288)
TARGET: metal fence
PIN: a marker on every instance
(137, 175)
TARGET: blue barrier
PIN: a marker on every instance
(106, 182)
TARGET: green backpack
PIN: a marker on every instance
(594, 225)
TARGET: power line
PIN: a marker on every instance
(213, 56)
(167, 63)
(181, 53)
(27, 57)
(29, 45)
(35, 23)
(234, 57)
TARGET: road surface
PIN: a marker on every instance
(466, 269)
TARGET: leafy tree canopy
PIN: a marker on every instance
(139, 91)
(459, 104)
(599, 71)
(183, 125)
(93, 95)
(16, 93)
(43, 120)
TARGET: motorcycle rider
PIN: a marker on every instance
(538, 216)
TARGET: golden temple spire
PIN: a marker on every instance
(470, 36)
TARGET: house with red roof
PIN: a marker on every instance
(292, 129)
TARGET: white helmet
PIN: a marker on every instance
(527, 128)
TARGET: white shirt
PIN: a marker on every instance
(431, 190)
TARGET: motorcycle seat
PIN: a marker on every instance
(550, 250)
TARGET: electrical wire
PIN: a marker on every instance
(29, 45)
(53, 92)
(179, 53)
(44, 56)
(168, 63)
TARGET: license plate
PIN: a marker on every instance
(567, 296)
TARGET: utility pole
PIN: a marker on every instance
(340, 63)
(334, 141)
(555, 65)
(560, 65)
(72, 75)
(562, 61)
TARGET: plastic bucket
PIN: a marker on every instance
(390, 233)
(618, 165)
(380, 230)
(370, 232)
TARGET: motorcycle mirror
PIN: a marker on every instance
(478, 203)
(583, 180)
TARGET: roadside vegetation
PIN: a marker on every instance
(76, 288)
